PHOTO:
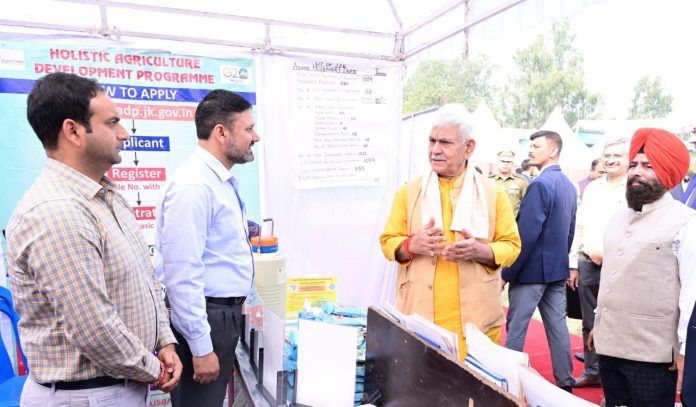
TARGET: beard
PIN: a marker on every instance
(239, 157)
(647, 191)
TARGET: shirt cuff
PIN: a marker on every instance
(200, 346)
(399, 246)
(166, 338)
(572, 262)
(682, 348)
(153, 368)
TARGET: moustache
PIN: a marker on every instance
(437, 157)
(636, 180)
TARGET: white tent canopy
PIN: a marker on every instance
(490, 138)
(394, 30)
(575, 154)
(390, 30)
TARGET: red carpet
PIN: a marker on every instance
(537, 348)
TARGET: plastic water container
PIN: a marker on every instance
(269, 266)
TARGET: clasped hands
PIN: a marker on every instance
(429, 241)
(206, 368)
(171, 369)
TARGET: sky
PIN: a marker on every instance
(624, 40)
(621, 41)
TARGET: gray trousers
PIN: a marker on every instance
(131, 394)
(551, 300)
(588, 290)
(225, 324)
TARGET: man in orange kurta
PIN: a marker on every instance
(451, 231)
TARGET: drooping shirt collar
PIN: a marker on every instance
(214, 164)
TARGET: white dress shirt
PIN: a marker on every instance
(684, 248)
(600, 202)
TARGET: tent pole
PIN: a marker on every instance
(483, 17)
(223, 16)
(434, 16)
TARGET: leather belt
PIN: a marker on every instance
(231, 301)
(94, 383)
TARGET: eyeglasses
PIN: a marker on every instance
(613, 156)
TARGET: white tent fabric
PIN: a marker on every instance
(327, 231)
(575, 154)
(487, 134)
(324, 232)
(490, 137)
(413, 143)
(385, 29)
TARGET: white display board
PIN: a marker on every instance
(326, 364)
(273, 348)
(319, 227)
(339, 118)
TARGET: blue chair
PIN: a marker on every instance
(10, 384)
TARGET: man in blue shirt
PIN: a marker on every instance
(202, 238)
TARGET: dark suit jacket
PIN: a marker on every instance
(688, 395)
(690, 189)
(677, 192)
(546, 222)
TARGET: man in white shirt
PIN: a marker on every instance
(203, 240)
(602, 199)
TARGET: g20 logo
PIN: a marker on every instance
(235, 74)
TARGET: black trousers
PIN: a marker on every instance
(637, 384)
(588, 290)
(225, 325)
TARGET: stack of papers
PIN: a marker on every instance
(497, 363)
(542, 393)
(437, 336)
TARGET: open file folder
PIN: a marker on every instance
(497, 363)
(476, 365)
(437, 336)
(542, 393)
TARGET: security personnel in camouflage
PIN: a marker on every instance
(515, 185)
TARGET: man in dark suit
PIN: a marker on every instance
(546, 224)
(677, 192)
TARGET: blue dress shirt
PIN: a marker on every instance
(202, 245)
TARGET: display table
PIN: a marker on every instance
(248, 381)
(402, 370)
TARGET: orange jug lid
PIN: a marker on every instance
(265, 241)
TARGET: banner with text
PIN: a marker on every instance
(156, 94)
(341, 114)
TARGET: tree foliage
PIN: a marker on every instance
(449, 81)
(649, 100)
(550, 74)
